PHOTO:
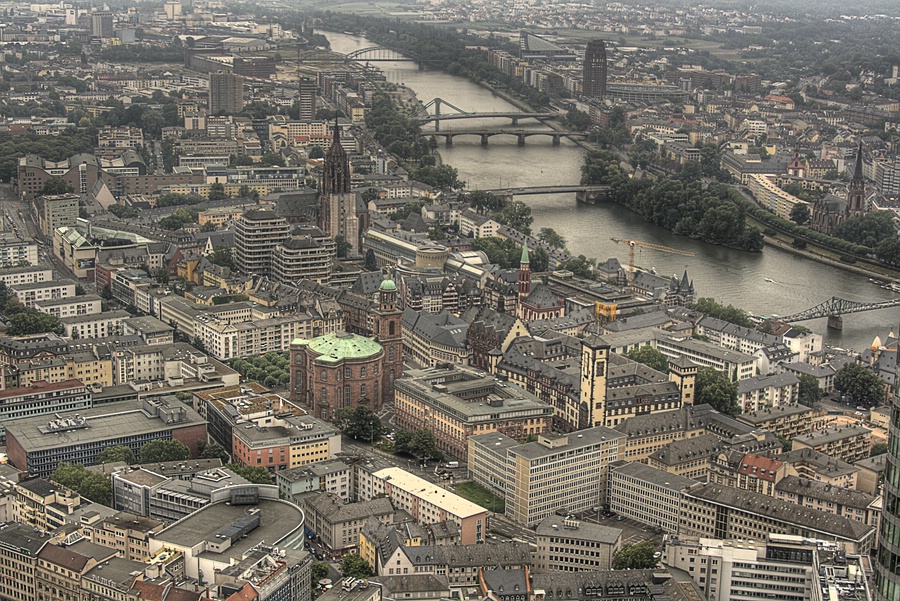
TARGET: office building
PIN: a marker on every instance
(43, 504)
(99, 325)
(129, 534)
(56, 211)
(86, 304)
(782, 567)
(226, 93)
(887, 559)
(102, 24)
(569, 545)
(37, 445)
(306, 99)
(594, 71)
(333, 477)
(559, 472)
(303, 257)
(646, 494)
(256, 234)
(424, 501)
(224, 533)
(43, 398)
(280, 443)
(461, 403)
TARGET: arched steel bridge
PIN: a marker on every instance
(439, 115)
(834, 308)
(374, 54)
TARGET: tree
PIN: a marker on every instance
(516, 215)
(157, 451)
(810, 393)
(636, 556)
(715, 389)
(650, 357)
(255, 473)
(867, 230)
(217, 191)
(860, 385)
(209, 226)
(222, 257)
(359, 422)
(114, 454)
(889, 251)
(342, 247)
(320, 570)
(56, 185)
(91, 485)
(540, 260)
(483, 202)
(371, 263)
(879, 449)
(730, 314)
(315, 152)
(800, 213)
(30, 321)
(418, 443)
(214, 450)
(355, 566)
(551, 238)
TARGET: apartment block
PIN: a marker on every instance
(846, 502)
(20, 546)
(788, 421)
(338, 524)
(569, 545)
(99, 325)
(847, 443)
(460, 403)
(761, 392)
(278, 443)
(43, 504)
(74, 306)
(256, 234)
(424, 501)
(714, 511)
(15, 251)
(333, 477)
(15, 276)
(29, 294)
(129, 534)
(646, 494)
(537, 479)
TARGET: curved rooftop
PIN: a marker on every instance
(338, 346)
(388, 286)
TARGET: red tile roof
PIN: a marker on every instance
(759, 466)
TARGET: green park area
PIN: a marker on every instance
(480, 496)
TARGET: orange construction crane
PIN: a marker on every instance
(635, 243)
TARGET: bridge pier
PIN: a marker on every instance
(515, 120)
(521, 140)
(484, 139)
(835, 322)
(556, 139)
(449, 141)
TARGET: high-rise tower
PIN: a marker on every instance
(593, 73)
(226, 93)
(887, 561)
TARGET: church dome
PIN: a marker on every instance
(388, 286)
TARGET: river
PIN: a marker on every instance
(773, 282)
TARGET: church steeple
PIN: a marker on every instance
(524, 281)
(856, 193)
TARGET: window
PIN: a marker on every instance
(347, 372)
(362, 371)
(324, 376)
(324, 394)
(346, 396)
(362, 391)
(391, 327)
(391, 354)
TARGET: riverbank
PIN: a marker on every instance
(869, 273)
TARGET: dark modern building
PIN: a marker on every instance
(887, 562)
(594, 70)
